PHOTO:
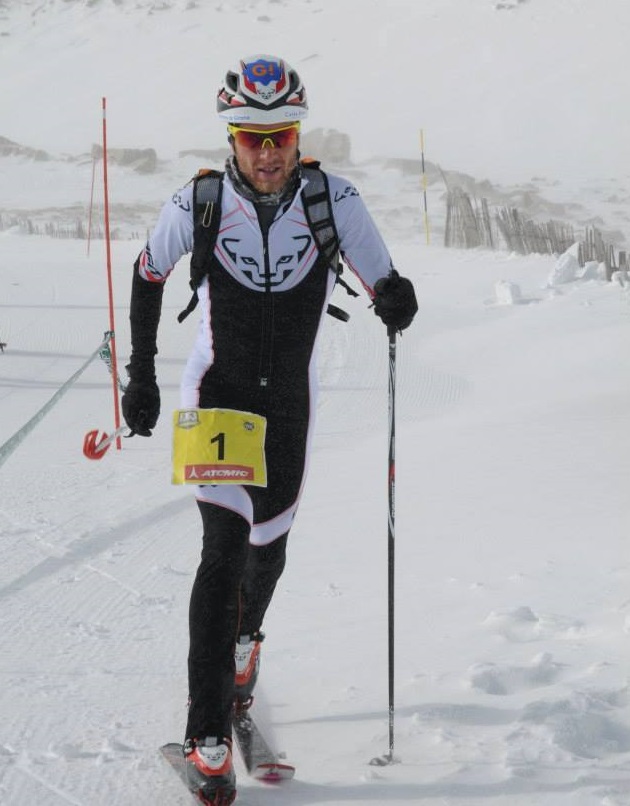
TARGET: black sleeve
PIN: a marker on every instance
(144, 316)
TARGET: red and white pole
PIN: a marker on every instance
(108, 251)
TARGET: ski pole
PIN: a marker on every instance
(105, 354)
(391, 487)
(388, 758)
(95, 448)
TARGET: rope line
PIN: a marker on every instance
(13, 442)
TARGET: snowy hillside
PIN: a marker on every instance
(527, 98)
(505, 90)
(513, 468)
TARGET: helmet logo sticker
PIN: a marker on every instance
(264, 78)
(261, 88)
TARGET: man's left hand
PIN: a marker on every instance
(395, 301)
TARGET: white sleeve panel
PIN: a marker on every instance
(361, 244)
(171, 238)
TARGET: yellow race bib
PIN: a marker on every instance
(219, 446)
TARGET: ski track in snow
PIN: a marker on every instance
(354, 366)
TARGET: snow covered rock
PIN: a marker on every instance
(567, 268)
(507, 293)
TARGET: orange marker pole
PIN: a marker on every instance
(108, 251)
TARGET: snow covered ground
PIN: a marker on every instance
(513, 468)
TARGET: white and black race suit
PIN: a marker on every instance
(262, 304)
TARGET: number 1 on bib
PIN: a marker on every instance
(219, 446)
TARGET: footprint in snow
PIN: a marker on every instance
(502, 680)
(582, 725)
(89, 630)
(522, 625)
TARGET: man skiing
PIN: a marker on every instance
(262, 290)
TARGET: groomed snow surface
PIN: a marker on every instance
(513, 460)
(512, 608)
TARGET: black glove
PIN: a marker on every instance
(141, 399)
(395, 301)
(141, 406)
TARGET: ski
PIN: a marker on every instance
(260, 761)
(174, 755)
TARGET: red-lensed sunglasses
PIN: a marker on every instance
(273, 138)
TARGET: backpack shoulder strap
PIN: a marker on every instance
(321, 222)
(207, 193)
(318, 211)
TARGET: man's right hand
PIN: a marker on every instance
(141, 406)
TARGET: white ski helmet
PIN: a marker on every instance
(262, 89)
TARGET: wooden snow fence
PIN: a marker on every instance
(470, 224)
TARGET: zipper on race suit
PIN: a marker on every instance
(268, 309)
(266, 340)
